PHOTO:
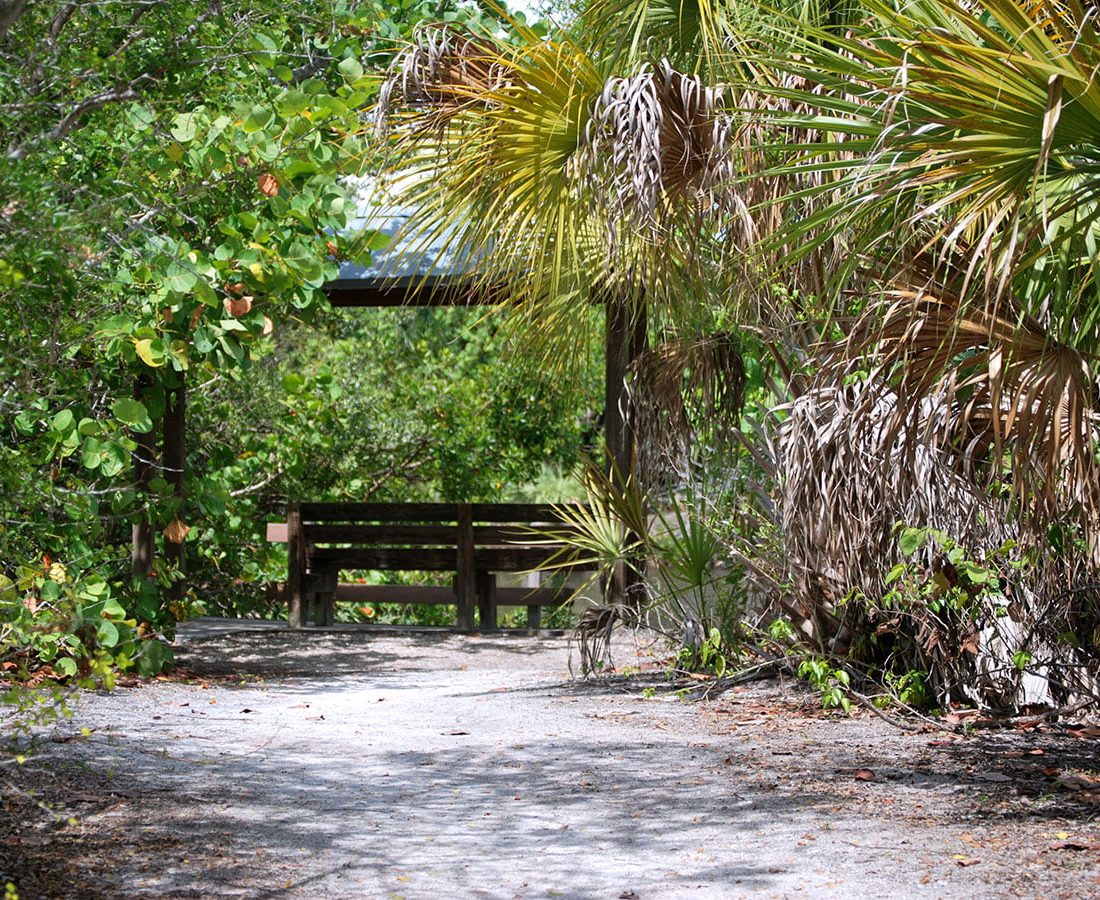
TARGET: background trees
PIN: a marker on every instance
(172, 206)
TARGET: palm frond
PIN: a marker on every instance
(967, 131)
(686, 390)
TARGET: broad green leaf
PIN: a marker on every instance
(911, 540)
(350, 67)
(203, 339)
(151, 351)
(180, 280)
(133, 413)
(107, 633)
(25, 422)
(92, 453)
(259, 117)
(184, 127)
(115, 458)
(115, 325)
(63, 421)
(291, 103)
(66, 667)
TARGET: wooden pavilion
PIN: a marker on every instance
(430, 277)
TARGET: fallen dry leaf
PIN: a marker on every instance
(1074, 844)
(965, 860)
(1076, 782)
(268, 184)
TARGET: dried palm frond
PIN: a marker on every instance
(684, 390)
(1020, 403)
(593, 634)
(653, 138)
(849, 478)
(442, 71)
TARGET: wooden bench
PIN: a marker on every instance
(473, 540)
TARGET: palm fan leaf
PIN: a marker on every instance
(967, 130)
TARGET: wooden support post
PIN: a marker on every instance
(465, 581)
(174, 461)
(534, 618)
(487, 601)
(626, 337)
(142, 539)
(296, 566)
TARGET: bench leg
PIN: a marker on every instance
(487, 600)
(324, 598)
(295, 609)
(464, 603)
(534, 618)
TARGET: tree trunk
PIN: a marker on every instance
(626, 337)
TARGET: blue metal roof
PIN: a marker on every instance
(409, 257)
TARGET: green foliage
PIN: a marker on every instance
(833, 682)
(955, 581)
(388, 404)
(911, 688)
(781, 630)
(72, 622)
(170, 196)
(710, 655)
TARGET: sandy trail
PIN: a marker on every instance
(369, 764)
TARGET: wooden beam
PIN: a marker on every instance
(625, 340)
(174, 462)
(141, 536)
(365, 293)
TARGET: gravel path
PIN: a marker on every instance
(427, 765)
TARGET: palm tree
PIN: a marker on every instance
(573, 184)
(964, 172)
(956, 160)
(580, 174)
